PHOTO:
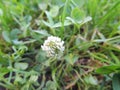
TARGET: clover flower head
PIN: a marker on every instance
(53, 46)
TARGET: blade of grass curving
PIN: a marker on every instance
(110, 13)
(116, 82)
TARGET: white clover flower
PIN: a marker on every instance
(53, 46)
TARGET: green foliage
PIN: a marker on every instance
(50, 85)
(77, 14)
(90, 30)
(116, 82)
(108, 69)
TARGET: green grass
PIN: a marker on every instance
(90, 30)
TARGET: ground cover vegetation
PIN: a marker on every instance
(59, 44)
